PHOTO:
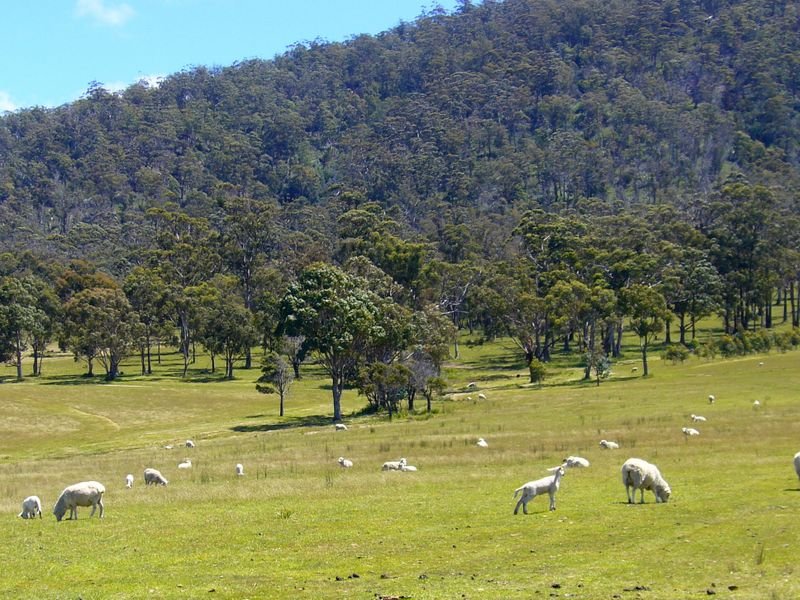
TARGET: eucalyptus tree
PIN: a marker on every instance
(276, 377)
(647, 311)
(339, 318)
(19, 316)
(150, 297)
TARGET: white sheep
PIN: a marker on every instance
(756, 404)
(532, 489)
(394, 465)
(690, 431)
(482, 443)
(168, 447)
(186, 464)
(698, 418)
(31, 507)
(189, 444)
(482, 396)
(345, 463)
(711, 398)
(129, 480)
(471, 385)
(340, 427)
(575, 461)
(638, 474)
(797, 464)
(85, 493)
(239, 469)
(408, 468)
(634, 369)
(609, 445)
(154, 477)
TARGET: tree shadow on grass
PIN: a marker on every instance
(75, 380)
(293, 423)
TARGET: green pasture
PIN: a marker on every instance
(298, 526)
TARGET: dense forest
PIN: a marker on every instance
(551, 170)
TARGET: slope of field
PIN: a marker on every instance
(296, 525)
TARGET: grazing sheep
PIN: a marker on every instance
(756, 403)
(345, 463)
(609, 445)
(154, 477)
(129, 480)
(575, 461)
(797, 464)
(689, 431)
(711, 399)
(482, 396)
(482, 443)
(186, 464)
(239, 469)
(31, 507)
(638, 474)
(471, 385)
(85, 493)
(168, 447)
(532, 489)
(189, 444)
(408, 468)
(698, 418)
(394, 465)
(634, 369)
(340, 427)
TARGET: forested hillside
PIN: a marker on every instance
(519, 164)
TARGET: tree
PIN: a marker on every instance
(19, 317)
(150, 298)
(338, 318)
(647, 311)
(100, 323)
(384, 385)
(276, 377)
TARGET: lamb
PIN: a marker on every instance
(189, 444)
(756, 404)
(482, 443)
(154, 477)
(129, 480)
(239, 469)
(690, 431)
(698, 418)
(408, 468)
(31, 507)
(532, 489)
(638, 474)
(394, 465)
(471, 385)
(797, 464)
(340, 427)
(609, 445)
(482, 396)
(345, 463)
(711, 399)
(575, 461)
(85, 493)
(186, 464)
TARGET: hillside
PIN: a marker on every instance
(456, 119)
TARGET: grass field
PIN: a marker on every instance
(299, 526)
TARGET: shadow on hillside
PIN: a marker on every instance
(293, 423)
(74, 380)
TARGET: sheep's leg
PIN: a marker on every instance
(552, 501)
(102, 508)
(94, 507)
(641, 498)
(516, 508)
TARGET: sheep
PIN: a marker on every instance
(638, 474)
(711, 399)
(609, 445)
(471, 385)
(688, 431)
(797, 464)
(756, 404)
(31, 507)
(129, 480)
(408, 468)
(340, 427)
(532, 489)
(239, 469)
(634, 369)
(85, 493)
(482, 396)
(168, 447)
(575, 461)
(186, 464)
(154, 477)
(394, 465)
(482, 443)
(189, 444)
(698, 418)
(345, 463)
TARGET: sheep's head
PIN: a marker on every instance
(663, 492)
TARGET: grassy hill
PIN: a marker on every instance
(299, 526)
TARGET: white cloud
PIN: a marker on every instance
(6, 103)
(103, 13)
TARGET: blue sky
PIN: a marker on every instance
(51, 50)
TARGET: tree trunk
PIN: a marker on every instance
(667, 333)
(90, 371)
(19, 356)
(282, 393)
(644, 359)
(337, 397)
(144, 360)
(682, 328)
(248, 359)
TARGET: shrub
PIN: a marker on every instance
(675, 353)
